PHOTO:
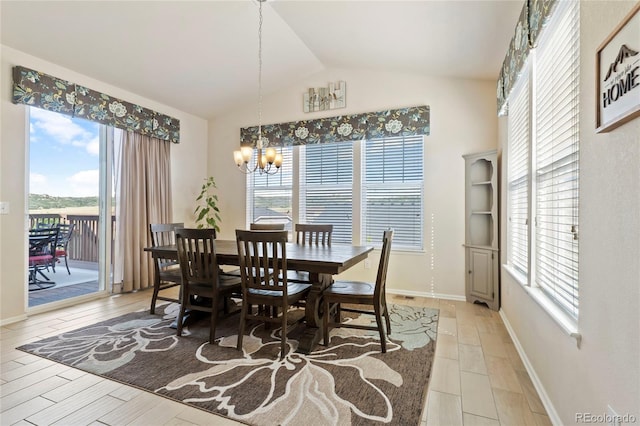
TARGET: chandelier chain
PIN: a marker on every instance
(260, 74)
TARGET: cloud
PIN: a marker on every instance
(93, 147)
(81, 184)
(61, 129)
(38, 184)
(84, 184)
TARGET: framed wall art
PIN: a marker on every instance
(324, 98)
(618, 74)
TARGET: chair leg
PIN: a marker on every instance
(243, 316)
(214, 319)
(66, 263)
(383, 340)
(283, 337)
(325, 321)
(154, 297)
(386, 317)
(180, 319)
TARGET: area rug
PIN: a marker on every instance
(347, 383)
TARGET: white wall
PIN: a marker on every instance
(463, 120)
(606, 369)
(188, 163)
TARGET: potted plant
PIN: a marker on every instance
(207, 212)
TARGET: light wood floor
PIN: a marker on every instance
(477, 378)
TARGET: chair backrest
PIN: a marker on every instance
(163, 234)
(43, 241)
(381, 280)
(266, 226)
(313, 234)
(66, 230)
(197, 256)
(263, 260)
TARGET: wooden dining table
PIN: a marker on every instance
(321, 262)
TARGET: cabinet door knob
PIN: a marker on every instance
(469, 270)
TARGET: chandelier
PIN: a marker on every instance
(270, 161)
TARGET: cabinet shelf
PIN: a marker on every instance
(481, 234)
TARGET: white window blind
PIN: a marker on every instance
(518, 133)
(269, 196)
(392, 191)
(557, 157)
(326, 187)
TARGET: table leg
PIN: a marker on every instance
(312, 333)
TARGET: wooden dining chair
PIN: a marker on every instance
(200, 276)
(167, 271)
(313, 234)
(361, 294)
(310, 234)
(266, 226)
(263, 268)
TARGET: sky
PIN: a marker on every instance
(63, 155)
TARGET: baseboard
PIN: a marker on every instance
(426, 294)
(11, 320)
(542, 393)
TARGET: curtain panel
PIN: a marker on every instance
(371, 125)
(44, 91)
(143, 196)
(533, 17)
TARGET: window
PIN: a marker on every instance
(556, 152)
(269, 198)
(549, 163)
(518, 133)
(326, 182)
(392, 190)
(362, 188)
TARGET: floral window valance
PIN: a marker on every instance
(532, 19)
(395, 122)
(41, 90)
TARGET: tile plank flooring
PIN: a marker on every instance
(477, 378)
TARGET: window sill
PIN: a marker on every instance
(566, 323)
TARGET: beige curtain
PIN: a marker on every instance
(143, 196)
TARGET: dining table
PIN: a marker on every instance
(321, 262)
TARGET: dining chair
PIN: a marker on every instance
(361, 294)
(263, 267)
(200, 276)
(167, 271)
(310, 234)
(257, 227)
(313, 233)
(266, 226)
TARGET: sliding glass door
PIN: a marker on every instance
(70, 187)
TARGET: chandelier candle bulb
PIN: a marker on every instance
(237, 157)
(270, 155)
(247, 152)
(278, 160)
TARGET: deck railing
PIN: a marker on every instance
(83, 245)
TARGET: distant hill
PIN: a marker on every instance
(43, 201)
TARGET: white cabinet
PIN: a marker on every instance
(481, 228)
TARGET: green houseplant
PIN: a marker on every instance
(207, 212)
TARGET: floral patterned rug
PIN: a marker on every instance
(349, 382)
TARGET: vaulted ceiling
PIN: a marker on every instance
(201, 56)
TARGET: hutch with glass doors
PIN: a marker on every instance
(481, 229)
